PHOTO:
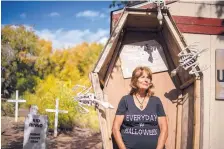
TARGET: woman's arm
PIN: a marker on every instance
(116, 131)
(163, 132)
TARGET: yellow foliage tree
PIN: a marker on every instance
(65, 68)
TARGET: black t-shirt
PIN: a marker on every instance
(140, 129)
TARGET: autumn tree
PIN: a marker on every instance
(19, 51)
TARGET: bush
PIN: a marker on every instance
(8, 109)
(47, 91)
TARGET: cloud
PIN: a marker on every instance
(27, 27)
(23, 15)
(64, 39)
(90, 14)
(54, 14)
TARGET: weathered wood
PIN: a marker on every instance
(187, 118)
(169, 59)
(187, 83)
(197, 114)
(114, 58)
(102, 112)
(141, 29)
(179, 123)
(175, 44)
(174, 32)
(111, 42)
(109, 127)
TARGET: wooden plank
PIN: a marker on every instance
(197, 115)
(187, 118)
(109, 127)
(102, 113)
(198, 21)
(111, 42)
(169, 59)
(199, 29)
(114, 58)
(106, 64)
(179, 124)
(187, 83)
(172, 46)
(174, 50)
(174, 32)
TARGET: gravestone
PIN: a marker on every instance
(35, 130)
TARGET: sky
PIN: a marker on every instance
(66, 24)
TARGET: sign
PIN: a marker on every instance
(219, 82)
(35, 132)
(17, 100)
(56, 110)
(147, 53)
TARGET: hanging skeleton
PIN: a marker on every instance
(188, 60)
(86, 98)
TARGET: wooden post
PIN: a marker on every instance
(197, 114)
(102, 114)
(109, 127)
(179, 122)
(56, 110)
(17, 104)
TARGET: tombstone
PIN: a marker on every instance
(35, 130)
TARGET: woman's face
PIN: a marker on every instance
(143, 81)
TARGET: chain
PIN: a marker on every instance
(141, 103)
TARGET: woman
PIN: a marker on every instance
(140, 120)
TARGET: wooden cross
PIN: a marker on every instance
(56, 110)
(17, 104)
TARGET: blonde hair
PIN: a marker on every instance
(138, 72)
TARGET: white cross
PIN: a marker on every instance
(17, 104)
(56, 110)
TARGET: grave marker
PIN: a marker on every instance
(17, 100)
(35, 131)
(56, 110)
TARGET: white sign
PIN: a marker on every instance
(219, 74)
(17, 104)
(56, 110)
(35, 132)
(147, 53)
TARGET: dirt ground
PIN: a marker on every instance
(12, 137)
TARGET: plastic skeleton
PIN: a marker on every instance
(189, 60)
(86, 98)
